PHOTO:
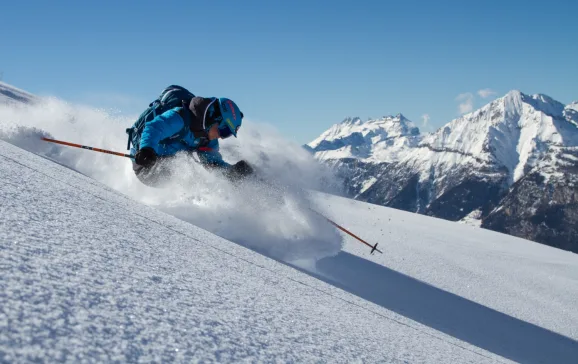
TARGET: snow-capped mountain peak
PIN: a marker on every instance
(350, 121)
(513, 131)
(354, 138)
(512, 103)
(547, 105)
(515, 99)
(571, 113)
(466, 165)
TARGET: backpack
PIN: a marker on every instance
(171, 97)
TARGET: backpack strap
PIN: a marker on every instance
(129, 131)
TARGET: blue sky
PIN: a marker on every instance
(298, 65)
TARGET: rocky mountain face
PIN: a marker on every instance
(543, 205)
(474, 165)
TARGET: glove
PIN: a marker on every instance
(146, 157)
(239, 170)
(203, 142)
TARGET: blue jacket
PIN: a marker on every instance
(170, 123)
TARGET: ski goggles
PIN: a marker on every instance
(226, 129)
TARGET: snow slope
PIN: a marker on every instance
(91, 275)
(507, 295)
(288, 228)
(526, 280)
(96, 269)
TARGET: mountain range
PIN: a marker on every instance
(510, 166)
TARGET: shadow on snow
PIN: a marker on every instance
(451, 314)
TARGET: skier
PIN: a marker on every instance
(195, 126)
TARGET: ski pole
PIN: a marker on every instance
(373, 248)
(87, 147)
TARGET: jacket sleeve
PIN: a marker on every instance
(163, 126)
(210, 156)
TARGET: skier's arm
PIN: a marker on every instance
(163, 126)
(213, 159)
(210, 156)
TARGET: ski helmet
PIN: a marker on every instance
(232, 118)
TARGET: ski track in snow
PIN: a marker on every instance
(93, 275)
(507, 295)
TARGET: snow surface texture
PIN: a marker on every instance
(507, 295)
(473, 219)
(288, 230)
(90, 275)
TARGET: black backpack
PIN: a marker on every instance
(171, 97)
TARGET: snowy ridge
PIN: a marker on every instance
(381, 140)
(514, 131)
(553, 165)
(571, 113)
(12, 95)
